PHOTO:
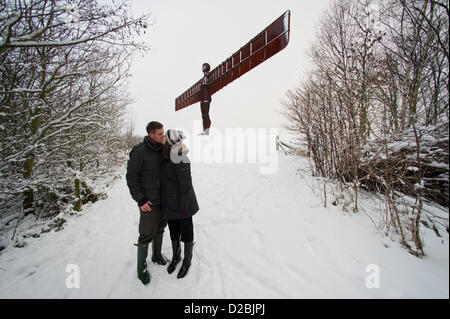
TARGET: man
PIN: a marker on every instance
(143, 180)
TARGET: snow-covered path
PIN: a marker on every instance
(257, 236)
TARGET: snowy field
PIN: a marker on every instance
(257, 236)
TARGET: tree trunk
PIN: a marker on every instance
(77, 205)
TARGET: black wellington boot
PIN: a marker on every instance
(187, 260)
(157, 257)
(142, 270)
(176, 248)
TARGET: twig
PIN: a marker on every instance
(18, 220)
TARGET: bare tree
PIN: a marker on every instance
(375, 103)
(62, 90)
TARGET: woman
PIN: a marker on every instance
(179, 202)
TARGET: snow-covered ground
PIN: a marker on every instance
(257, 236)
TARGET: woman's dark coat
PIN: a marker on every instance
(177, 193)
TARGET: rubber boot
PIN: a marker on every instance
(142, 270)
(187, 260)
(157, 257)
(176, 249)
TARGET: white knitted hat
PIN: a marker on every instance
(174, 137)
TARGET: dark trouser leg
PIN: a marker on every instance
(157, 257)
(148, 228)
(148, 225)
(174, 228)
(186, 227)
(175, 234)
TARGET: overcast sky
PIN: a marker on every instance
(185, 34)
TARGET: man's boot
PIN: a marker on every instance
(142, 270)
(187, 260)
(157, 257)
(176, 249)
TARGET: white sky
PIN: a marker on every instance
(185, 34)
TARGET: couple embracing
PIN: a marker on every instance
(159, 179)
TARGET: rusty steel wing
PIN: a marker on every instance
(267, 43)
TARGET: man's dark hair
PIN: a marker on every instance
(153, 126)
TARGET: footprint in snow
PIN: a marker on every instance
(309, 245)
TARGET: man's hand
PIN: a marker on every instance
(146, 207)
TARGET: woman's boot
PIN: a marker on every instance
(187, 260)
(176, 256)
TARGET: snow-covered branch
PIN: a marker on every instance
(62, 98)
